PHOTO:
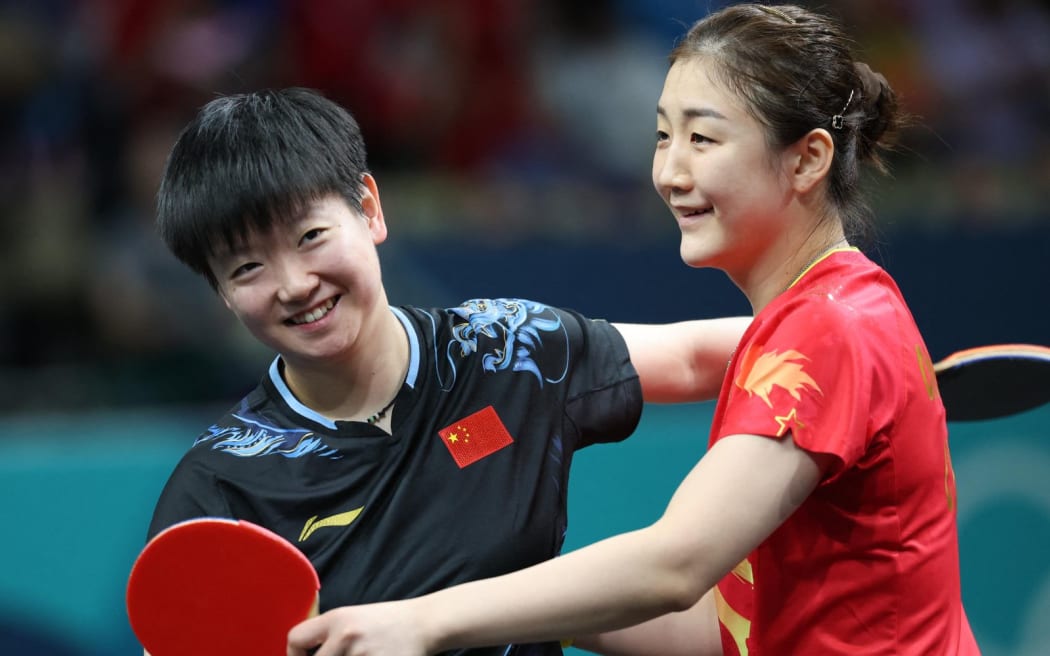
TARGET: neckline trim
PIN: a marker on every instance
(305, 411)
(826, 255)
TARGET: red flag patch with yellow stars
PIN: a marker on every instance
(475, 436)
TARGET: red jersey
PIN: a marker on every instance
(869, 563)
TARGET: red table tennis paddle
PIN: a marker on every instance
(218, 587)
(988, 382)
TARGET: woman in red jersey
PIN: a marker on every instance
(822, 519)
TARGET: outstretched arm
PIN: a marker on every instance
(692, 632)
(684, 361)
(723, 509)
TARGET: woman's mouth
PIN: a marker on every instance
(687, 215)
(691, 213)
(315, 314)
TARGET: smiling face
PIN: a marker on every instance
(309, 289)
(714, 169)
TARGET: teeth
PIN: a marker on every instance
(314, 315)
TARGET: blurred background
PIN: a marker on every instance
(512, 142)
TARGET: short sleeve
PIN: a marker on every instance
(808, 374)
(191, 492)
(604, 399)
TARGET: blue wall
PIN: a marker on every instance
(965, 286)
(77, 493)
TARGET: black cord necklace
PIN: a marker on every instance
(382, 413)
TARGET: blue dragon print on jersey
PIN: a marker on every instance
(253, 439)
(507, 332)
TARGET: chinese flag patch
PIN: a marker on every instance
(475, 436)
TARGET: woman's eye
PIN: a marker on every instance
(244, 269)
(698, 138)
(311, 235)
(661, 136)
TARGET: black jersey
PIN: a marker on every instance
(472, 481)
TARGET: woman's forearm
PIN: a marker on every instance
(692, 632)
(612, 584)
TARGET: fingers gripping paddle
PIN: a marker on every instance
(216, 587)
(993, 381)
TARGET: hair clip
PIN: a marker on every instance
(777, 12)
(837, 120)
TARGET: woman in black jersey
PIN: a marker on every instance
(402, 449)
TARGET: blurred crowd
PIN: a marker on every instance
(496, 120)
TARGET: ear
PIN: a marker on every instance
(810, 159)
(372, 209)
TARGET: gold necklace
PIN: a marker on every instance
(838, 244)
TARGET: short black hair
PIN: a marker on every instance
(248, 162)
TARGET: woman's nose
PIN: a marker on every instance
(672, 172)
(295, 283)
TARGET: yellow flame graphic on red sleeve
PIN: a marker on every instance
(759, 372)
